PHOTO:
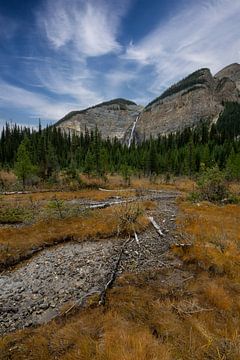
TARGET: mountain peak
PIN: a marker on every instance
(113, 118)
(231, 71)
(198, 77)
(199, 96)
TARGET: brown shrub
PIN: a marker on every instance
(215, 236)
(18, 242)
(217, 296)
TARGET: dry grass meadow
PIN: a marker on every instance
(146, 316)
(18, 243)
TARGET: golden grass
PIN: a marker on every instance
(215, 231)
(115, 182)
(182, 184)
(141, 320)
(217, 296)
(17, 242)
(178, 184)
(149, 204)
(235, 187)
(215, 257)
(7, 177)
(65, 195)
(157, 315)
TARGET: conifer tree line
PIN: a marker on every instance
(49, 150)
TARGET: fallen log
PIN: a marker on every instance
(156, 226)
(28, 192)
(15, 192)
(182, 246)
(99, 206)
(108, 203)
(115, 190)
(136, 238)
(110, 282)
(189, 308)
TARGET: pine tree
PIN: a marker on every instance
(152, 159)
(103, 163)
(233, 166)
(89, 166)
(23, 166)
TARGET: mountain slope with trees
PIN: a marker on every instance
(198, 97)
(50, 150)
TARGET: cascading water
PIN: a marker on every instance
(132, 132)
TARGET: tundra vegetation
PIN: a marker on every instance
(146, 315)
(143, 316)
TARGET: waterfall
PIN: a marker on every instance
(132, 132)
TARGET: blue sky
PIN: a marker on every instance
(63, 55)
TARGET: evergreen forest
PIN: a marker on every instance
(49, 150)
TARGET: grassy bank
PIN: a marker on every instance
(188, 312)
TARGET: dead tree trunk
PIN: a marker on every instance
(109, 284)
(156, 226)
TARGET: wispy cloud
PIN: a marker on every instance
(75, 56)
(76, 31)
(204, 33)
(36, 105)
(70, 80)
(90, 27)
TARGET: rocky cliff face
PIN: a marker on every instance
(200, 96)
(231, 72)
(113, 119)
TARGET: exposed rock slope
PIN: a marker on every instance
(232, 72)
(199, 96)
(112, 118)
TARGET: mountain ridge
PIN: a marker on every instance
(112, 118)
(119, 101)
(199, 96)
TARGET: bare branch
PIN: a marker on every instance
(156, 226)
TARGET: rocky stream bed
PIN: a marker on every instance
(36, 290)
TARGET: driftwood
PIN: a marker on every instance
(103, 205)
(188, 308)
(109, 284)
(185, 247)
(30, 192)
(187, 279)
(109, 203)
(115, 190)
(99, 206)
(106, 204)
(156, 226)
(136, 238)
(182, 246)
(15, 192)
(156, 191)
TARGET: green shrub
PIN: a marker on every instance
(233, 167)
(212, 186)
(57, 206)
(14, 215)
(126, 173)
